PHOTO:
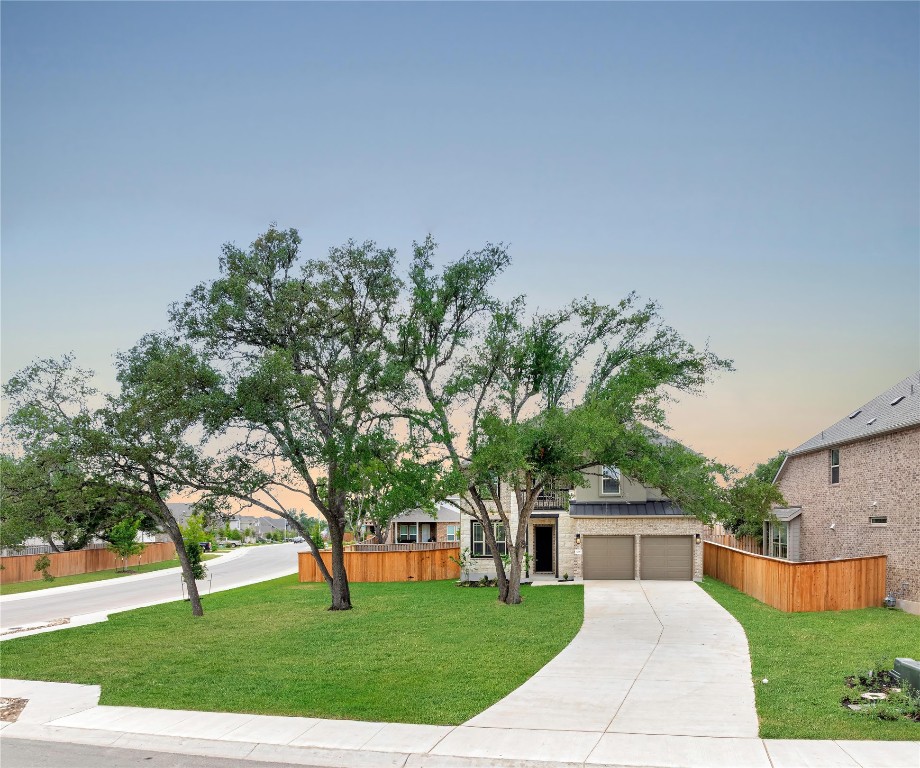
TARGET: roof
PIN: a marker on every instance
(446, 514)
(181, 512)
(785, 514)
(614, 509)
(896, 408)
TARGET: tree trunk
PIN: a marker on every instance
(513, 593)
(341, 594)
(175, 536)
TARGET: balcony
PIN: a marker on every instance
(552, 500)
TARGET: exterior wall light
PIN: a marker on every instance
(577, 539)
(697, 537)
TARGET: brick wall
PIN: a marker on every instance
(878, 476)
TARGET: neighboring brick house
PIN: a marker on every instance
(417, 526)
(616, 528)
(855, 490)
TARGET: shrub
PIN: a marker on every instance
(43, 565)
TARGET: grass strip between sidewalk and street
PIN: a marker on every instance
(416, 652)
(85, 578)
(806, 658)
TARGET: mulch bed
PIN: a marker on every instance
(10, 709)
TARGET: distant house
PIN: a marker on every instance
(417, 526)
(855, 491)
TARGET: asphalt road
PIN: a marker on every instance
(20, 753)
(249, 566)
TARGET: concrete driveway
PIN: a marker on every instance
(653, 657)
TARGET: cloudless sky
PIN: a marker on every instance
(753, 167)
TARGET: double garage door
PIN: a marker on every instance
(661, 557)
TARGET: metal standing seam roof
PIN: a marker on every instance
(875, 417)
(614, 509)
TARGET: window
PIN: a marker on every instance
(835, 466)
(779, 540)
(479, 540)
(610, 481)
(878, 520)
(452, 532)
(408, 533)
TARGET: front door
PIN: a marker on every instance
(543, 549)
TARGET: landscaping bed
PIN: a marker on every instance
(811, 661)
(416, 652)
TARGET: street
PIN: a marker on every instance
(251, 565)
(19, 753)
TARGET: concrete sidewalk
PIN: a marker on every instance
(622, 694)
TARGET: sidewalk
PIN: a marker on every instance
(69, 713)
(658, 677)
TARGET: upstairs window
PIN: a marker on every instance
(610, 481)
(835, 466)
(452, 532)
(878, 520)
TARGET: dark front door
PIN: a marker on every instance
(543, 549)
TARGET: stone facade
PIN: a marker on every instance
(879, 477)
(566, 556)
(638, 527)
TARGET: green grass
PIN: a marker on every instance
(424, 652)
(84, 578)
(807, 656)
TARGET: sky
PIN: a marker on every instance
(755, 168)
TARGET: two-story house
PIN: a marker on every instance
(854, 490)
(615, 528)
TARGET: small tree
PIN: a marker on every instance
(43, 566)
(195, 530)
(122, 540)
(751, 499)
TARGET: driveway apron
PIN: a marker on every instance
(652, 657)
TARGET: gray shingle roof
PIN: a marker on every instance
(785, 514)
(612, 509)
(873, 418)
(446, 514)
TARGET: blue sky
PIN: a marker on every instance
(754, 167)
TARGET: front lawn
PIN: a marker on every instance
(83, 578)
(807, 656)
(424, 652)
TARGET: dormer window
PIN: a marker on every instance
(610, 481)
(835, 466)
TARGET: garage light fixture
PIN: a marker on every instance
(577, 539)
(697, 537)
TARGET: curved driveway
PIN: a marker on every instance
(235, 569)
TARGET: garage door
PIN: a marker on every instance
(666, 557)
(609, 557)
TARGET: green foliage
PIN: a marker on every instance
(122, 539)
(195, 530)
(766, 471)
(43, 565)
(198, 568)
(751, 499)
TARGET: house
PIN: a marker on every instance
(854, 490)
(615, 528)
(418, 526)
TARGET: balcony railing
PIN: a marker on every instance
(552, 500)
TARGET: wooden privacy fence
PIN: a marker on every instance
(411, 562)
(826, 585)
(718, 535)
(22, 567)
